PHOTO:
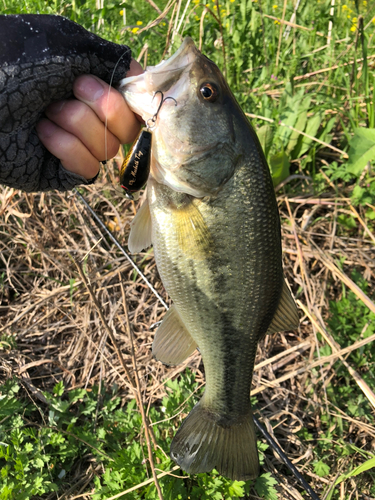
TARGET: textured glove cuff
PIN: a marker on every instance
(41, 57)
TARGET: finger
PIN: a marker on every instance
(135, 68)
(109, 105)
(73, 155)
(79, 119)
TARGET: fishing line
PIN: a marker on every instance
(263, 431)
(115, 241)
(286, 460)
(106, 110)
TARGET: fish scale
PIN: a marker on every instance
(214, 284)
(212, 217)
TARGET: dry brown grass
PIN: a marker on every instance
(46, 308)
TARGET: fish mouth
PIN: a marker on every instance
(164, 74)
(183, 57)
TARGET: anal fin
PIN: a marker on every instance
(173, 343)
(140, 232)
(286, 315)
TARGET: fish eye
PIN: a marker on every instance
(209, 92)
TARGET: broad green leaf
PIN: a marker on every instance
(370, 214)
(312, 128)
(362, 150)
(279, 165)
(347, 221)
(236, 489)
(321, 469)
(295, 137)
(265, 136)
(264, 486)
(289, 117)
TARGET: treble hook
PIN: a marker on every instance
(162, 101)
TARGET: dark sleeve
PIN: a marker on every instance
(40, 57)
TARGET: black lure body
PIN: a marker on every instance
(135, 168)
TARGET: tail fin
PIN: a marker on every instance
(205, 442)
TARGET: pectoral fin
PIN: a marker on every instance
(194, 237)
(140, 232)
(286, 316)
(172, 343)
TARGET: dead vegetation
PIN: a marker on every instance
(46, 311)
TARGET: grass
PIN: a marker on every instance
(69, 423)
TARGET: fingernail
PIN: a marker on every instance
(89, 89)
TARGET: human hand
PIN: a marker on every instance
(82, 132)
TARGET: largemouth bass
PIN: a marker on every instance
(212, 217)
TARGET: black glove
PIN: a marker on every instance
(40, 57)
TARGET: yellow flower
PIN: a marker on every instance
(163, 24)
(348, 16)
(134, 30)
(354, 20)
(197, 18)
(275, 6)
(276, 22)
(231, 1)
(121, 12)
(353, 28)
(364, 3)
(195, 1)
(344, 7)
(113, 225)
(139, 23)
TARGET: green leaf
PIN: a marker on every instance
(279, 165)
(312, 128)
(39, 463)
(236, 489)
(369, 464)
(265, 136)
(362, 196)
(362, 150)
(60, 406)
(321, 469)
(264, 486)
(76, 394)
(347, 221)
(58, 390)
(28, 447)
(295, 137)
(370, 214)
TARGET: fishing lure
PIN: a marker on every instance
(135, 169)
